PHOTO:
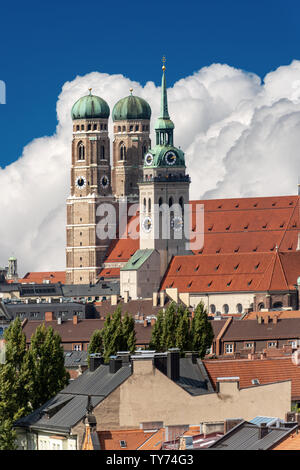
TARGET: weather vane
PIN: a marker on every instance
(163, 61)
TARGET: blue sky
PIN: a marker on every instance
(45, 44)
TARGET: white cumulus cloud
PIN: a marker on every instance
(241, 137)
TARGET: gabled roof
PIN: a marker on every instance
(239, 272)
(238, 225)
(131, 439)
(68, 407)
(137, 260)
(246, 436)
(39, 277)
(265, 370)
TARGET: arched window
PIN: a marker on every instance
(122, 151)
(212, 308)
(277, 305)
(145, 204)
(149, 204)
(225, 308)
(81, 151)
(160, 201)
(170, 201)
(239, 308)
(260, 306)
(102, 152)
(181, 203)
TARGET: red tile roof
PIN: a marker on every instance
(235, 226)
(233, 272)
(134, 438)
(265, 370)
(40, 277)
(292, 442)
(110, 273)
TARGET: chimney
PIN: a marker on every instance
(59, 320)
(75, 319)
(114, 299)
(298, 244)
(126, 297)
(275, 319)
(259, 319)
(162, 297)
(48, 316)
(153, 320)
(96, 360)
(266, 319)
(115, 363)
(145, 322)
(262, 431)
(155, 299)
(173, 364)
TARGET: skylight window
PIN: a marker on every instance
(123, 444)
(228, 283)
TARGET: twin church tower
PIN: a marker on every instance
(152, 177)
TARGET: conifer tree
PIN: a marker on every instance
(47, 360)
(118, 334)
(95, 344)
(156, 336)
(15, 376)
(169, 327)
(182, 337)
(201, 331)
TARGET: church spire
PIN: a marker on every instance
(164, 126)
(164, 113)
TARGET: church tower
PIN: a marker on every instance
(90, 185)
(164, 191)
(131, 117)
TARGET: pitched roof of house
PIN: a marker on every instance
(233, 272)
(285, 328)
(290, 442)
(265, 370)
(132, 439)
(246, 436)
(69, 406)
(271, 314)
(238, 225)
(39, 277)
(83, 330)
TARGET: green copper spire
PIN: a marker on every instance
(164, 126)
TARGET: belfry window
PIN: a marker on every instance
(81, 151)
(122, 152)
(102, 152)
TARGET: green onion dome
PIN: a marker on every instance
(131, 107)
(89, 107)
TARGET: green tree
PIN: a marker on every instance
(118, 334)
(182, 336)
(15, 375)
(46, 357)
(168, 338)
(156, 335)
(95, 344)
(201, 331)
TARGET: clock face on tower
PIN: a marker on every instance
(177, 223)
(80, 182)
(149, 159)
(170, 158)
(104, 181)
(147, 224)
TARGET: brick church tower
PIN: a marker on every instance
(131, 116)
(90, 186)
